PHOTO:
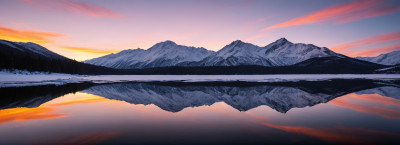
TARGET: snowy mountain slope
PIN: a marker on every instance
(176, 98)
(162, 54)
(279, 53)
(391, 58)
(282, 52)
(236, 53)
(30, 48)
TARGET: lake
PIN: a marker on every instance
(337, 111)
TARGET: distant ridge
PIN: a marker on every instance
(391, 58)
(30, 48)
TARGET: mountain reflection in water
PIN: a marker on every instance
(352, 111)
(175, 96)
(282, 97)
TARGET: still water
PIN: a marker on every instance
(330, 112)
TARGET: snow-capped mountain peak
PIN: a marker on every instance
(236, 49)
(282, 41)
(237, 42)
(166, 44)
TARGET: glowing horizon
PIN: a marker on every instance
(86, 29)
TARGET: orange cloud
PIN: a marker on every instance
(342, 134)
(342, 13)
(23, 114)
(386, 113)
(82, 101)
(88, 50)
(79, 8)
(41, 37)
(375, 51)
(92, 138)
(369, 40)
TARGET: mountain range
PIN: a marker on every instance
(279, 53)
(279, 57)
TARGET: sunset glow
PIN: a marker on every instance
(85, 29)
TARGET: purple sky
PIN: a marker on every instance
(84, 29)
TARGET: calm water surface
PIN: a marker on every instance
(193, 113)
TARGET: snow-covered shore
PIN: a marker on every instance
(20, 78)
(13, 80)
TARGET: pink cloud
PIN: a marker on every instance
(342, 13)
(92, 10)
(374, 12)
(369, 40)
(375, 51)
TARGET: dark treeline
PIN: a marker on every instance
(390, 70)
(323, 65)
(10, 60)
(253, 70)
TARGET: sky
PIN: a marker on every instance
(86, 29)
